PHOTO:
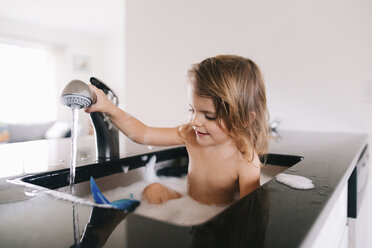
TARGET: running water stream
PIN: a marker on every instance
(74, 123)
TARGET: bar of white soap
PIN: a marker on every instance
(294, 181)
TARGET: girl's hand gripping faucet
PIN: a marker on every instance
(102, 103)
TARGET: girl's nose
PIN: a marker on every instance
(195, 120)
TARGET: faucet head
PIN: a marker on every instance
(77, 95)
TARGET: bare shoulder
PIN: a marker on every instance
(250, 167)
(249, 176)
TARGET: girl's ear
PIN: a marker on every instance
(251, 118)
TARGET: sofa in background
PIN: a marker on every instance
(11, 132)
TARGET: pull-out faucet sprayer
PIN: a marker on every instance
(77, 94)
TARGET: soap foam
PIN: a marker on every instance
(294, 181)
(150, 174)
(182, 211)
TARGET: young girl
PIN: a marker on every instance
(226, 133)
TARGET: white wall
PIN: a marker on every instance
(105, 54)
(316, 57)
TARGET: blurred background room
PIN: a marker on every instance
(316, 57)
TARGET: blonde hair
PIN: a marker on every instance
(236, 86)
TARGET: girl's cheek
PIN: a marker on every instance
(215, 129)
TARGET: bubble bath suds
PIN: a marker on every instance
(182, 211)
(294, 181)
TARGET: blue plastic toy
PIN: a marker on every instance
(123, 204)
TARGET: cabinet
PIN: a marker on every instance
(334, 232)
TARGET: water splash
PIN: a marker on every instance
(321, 192)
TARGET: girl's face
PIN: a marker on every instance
(203, 121)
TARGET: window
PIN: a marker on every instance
(27, 83)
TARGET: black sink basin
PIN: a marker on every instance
(170, 162)
(245, 219)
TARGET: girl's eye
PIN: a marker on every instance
(210, 118)
(191, 110)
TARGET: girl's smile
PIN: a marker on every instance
(201, 134)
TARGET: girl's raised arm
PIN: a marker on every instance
(133, 128)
